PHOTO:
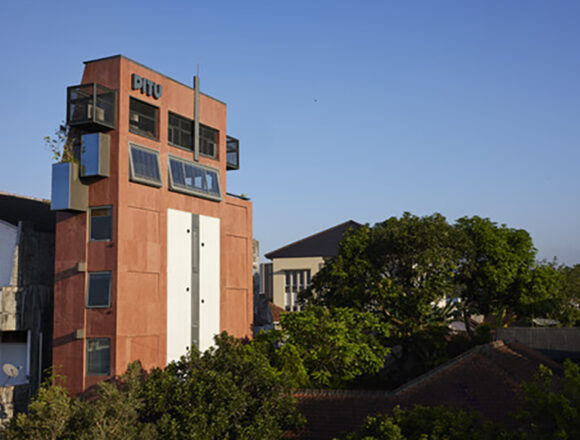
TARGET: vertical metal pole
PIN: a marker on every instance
(196, 117)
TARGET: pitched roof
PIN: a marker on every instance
(15, 208)
(486, 378)
(321, 244)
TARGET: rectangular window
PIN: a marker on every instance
(101, 225)
(143, 118)
(195, 179)
(99, 289)
(99, 357)
(145, 167)
(208, 141)
(295, 282)
(180, 131)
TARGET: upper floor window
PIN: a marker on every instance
(208, 141)
(101, 226)
(143, 119)
(191, 178)
(144, 165)
(295, 282)
(99, 289)
(180, 134)
(180, 131)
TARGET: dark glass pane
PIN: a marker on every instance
(99, 294)
(143, 118)
(99, 357)
(177, 172)
(145, 165)
(101, 224)
(212, 182)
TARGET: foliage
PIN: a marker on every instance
(326, 348)
(552, 407)
(229, 392)
(397, 269)
(569, 313)
(61, 144)
(113, 414)
(429, 423)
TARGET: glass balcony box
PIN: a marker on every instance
(95, 151)
(91, 107)
(68, 192)
(232, 153)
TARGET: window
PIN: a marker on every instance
(295, 282)
(14, 350)
(143, 118)
(99, 357)
(145, 166)
(208, 141)
(191, 178)
(99, 289)
(180, 134)
(101, 226)
(180, 131)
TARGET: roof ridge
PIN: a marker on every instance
(311, 236)
(35, 199)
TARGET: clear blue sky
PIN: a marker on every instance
(345, 110)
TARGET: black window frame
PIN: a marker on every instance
(92, 371)
(180, 131)
(205, 140)
(109, 288)
(137, 130)
(192, 190)
(144, 179)
(91, 227)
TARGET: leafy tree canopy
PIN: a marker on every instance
(326, 348)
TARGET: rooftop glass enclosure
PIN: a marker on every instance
(91, 107)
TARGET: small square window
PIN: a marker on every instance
(101, 226)
(143, 118)
(99, 289)
(99, 357)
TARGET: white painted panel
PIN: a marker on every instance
(209, 280)
(8, 234)
(178, 283)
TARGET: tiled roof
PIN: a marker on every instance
(321, 244)
(276, 311)
(486, 378)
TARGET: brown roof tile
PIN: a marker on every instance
(486, 378)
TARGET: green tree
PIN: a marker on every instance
(552, 405)
(430, 423)
(398, 269)
(229, 392)
(326, 347)
(569, 312)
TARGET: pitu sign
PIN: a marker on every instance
(146, 86)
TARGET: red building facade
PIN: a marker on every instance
(152, 256)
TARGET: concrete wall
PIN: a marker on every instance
(280, 265)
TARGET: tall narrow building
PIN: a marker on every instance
(152, 255)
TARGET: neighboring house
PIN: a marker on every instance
(152, 256)
(26, 297)
(294, 265)
(486, 379)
